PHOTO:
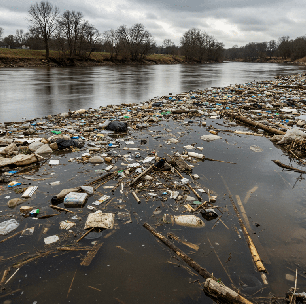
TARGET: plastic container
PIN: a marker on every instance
(75, 199)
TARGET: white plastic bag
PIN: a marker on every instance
(291, 135)
(8, 226)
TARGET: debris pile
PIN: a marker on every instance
(56, 167)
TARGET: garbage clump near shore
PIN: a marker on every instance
(76, 176)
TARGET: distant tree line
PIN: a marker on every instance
(285, 48)
(74, 37)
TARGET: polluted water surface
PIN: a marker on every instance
(175, 200)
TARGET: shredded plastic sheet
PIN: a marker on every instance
(8, 226)
(292, 135)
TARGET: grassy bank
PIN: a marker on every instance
(32, 58)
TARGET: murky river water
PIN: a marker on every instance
(37, 92)
(132, 266)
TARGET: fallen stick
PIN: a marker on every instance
(71, 283)
(189, 186)
(5, 274)
(222, 294)
(99, 179)
(19, 232)
(301, 160)
(60, 209)
(136, 197)
(74, 248)
(253, 123)
(174, 237)
(47, 216)
(220, 161)
(12, 275)
(255, 256)
(202, 271)
(85, 234)
(91, 254)
(19, 265)
(211, 246)
(277, 162)
(141, 175)
(212, 288)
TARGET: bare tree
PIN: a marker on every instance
(43, 17)
(69, 28)
(140, 41)
(1, 32)
(169, 47)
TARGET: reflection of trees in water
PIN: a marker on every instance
(59, 90)
(132, 82)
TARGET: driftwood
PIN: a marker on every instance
(255, 256)
(189, 186)
(277, 162)
(141, 175)
(91, 254)
(60, 209)
(18, 265)
(85, 234)
(5, 274)
(136, 197)
(222, 294)
(202, 271)
(254, 123)
(174, 237)
(47, 216)
(213, 289)
(88, 248)
(11, 236)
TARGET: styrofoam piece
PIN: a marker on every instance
(51, 239)
(99, 219)
(30, 191)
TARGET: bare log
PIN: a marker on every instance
(223, 294)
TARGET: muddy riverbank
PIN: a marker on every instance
(210, 156)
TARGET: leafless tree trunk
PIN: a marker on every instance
(43, 19)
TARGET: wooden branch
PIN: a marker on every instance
(255, 256)
(60, 209)
(136, 197)
(189, 186)
(212, 288)
(254, 123)
(141, 175)
(202, 271)
(19, 232)
(174, 237)
(223, 294)
(84, 234)
(277, 162)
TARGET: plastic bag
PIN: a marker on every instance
(292, 135)
(8, 226)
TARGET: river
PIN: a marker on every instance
(36, 92)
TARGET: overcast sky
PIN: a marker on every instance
(233, 22)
